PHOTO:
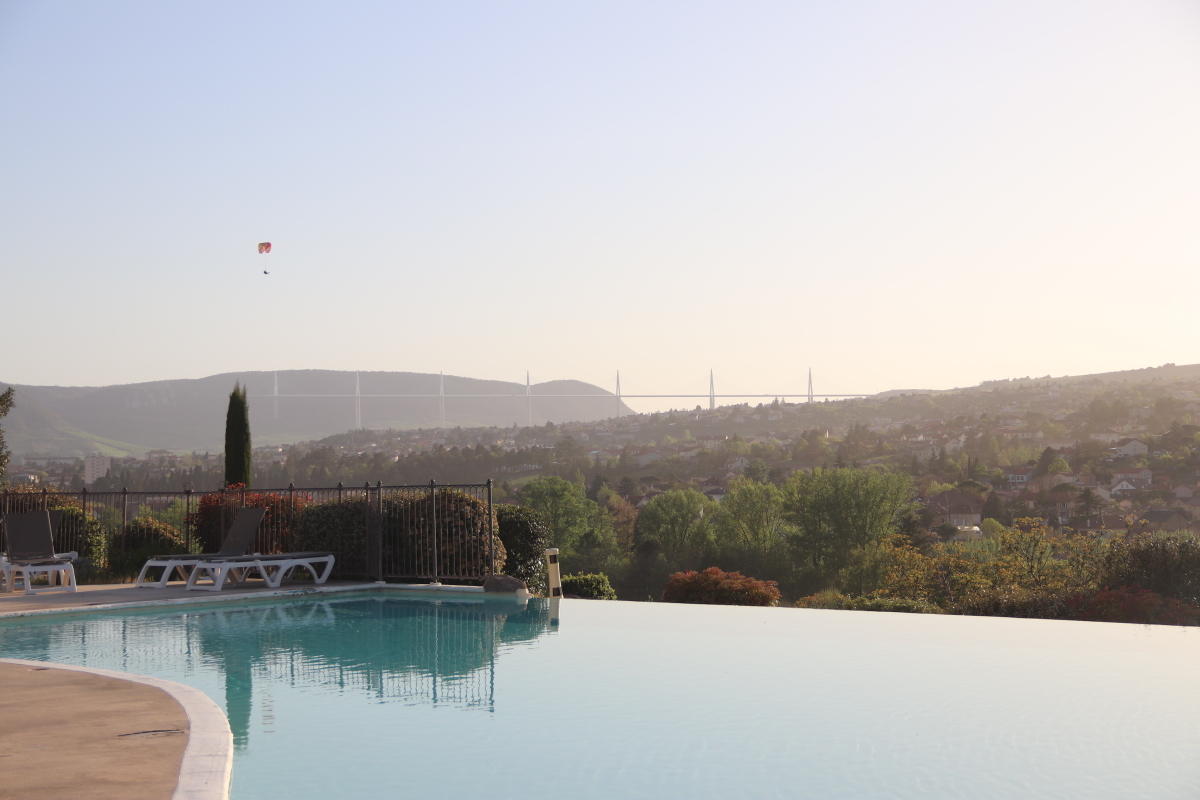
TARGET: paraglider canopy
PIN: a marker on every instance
(264, 247)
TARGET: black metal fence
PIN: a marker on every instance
(427, 532)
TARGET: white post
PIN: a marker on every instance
(554, 570)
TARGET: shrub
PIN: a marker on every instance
(840, 601)
(1016, 602)
(143, 537)
(720, 588)
(1169, 566)
(526, 535)
(589, 587)
(340, 527)
(1134, 604)
(277, 526)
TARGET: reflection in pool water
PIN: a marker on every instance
(383, 695)
(410, 651)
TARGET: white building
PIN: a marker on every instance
(96, 465)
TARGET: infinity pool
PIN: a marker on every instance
(388, 695)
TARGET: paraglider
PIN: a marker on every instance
(264, 247)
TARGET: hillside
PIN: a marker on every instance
(186, 415)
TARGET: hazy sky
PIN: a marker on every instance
(897, 194)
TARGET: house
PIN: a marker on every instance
(1162, 519)
(738, 463)
(1051, 479)
(1131, 447)
(1139, 475)
(957, 508)
(1108, 437)
(647, 458)
(1184, 492)
(1018, 476)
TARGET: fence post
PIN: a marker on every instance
(491, 570)
(187, 518)
(374, 538)
(124, 514)
(45, 499)
(221, 500)
(433, 526)
(339, 488)
(379, 517)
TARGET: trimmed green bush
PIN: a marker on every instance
(1015, 602)
(142, 538)
(339, 527)
(526, 535)
(590, 587)
(720, 588)
(840, 601)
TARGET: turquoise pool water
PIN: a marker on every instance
(388, 695)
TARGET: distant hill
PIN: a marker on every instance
(186, 415)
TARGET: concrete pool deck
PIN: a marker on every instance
(85, 734)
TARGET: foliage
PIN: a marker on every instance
(216, 510)
(679, 520)
(834, 600)
(1012, 601)
(565, 508)
(721, 588)
(142, 538)
(339, 527)
(239, 461)
(1134, 604)
(6, 404)
(591, 587)
(838, 510)
(1166, 565)
(526, 536)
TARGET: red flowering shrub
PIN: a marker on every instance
(720, 588)
(216, 512)
(1135, 604)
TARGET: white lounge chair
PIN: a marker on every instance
(271, 568)
(238, 542)
(30, 540)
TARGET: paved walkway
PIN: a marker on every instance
(77, 736)
(105, 594)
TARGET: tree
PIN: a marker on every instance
(1044, 461)
(758, 471)
(1058, 465)
(838, 510)
(678, 520)
(563, 505)
(238, 455)
(6, 404)
(1088, 504)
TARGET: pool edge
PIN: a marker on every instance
(206, 768)
(152, 602)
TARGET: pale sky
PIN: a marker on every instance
(897, 194)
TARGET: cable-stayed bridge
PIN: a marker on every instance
(618, 396)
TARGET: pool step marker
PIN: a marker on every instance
(554, 572)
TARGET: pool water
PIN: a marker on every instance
(390, 695)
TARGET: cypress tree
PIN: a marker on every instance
(238, 461)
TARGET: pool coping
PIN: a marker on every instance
(151, 602)
(206, 768)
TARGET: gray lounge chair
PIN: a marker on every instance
(272, 568)
(238, 542)
(30, 542)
